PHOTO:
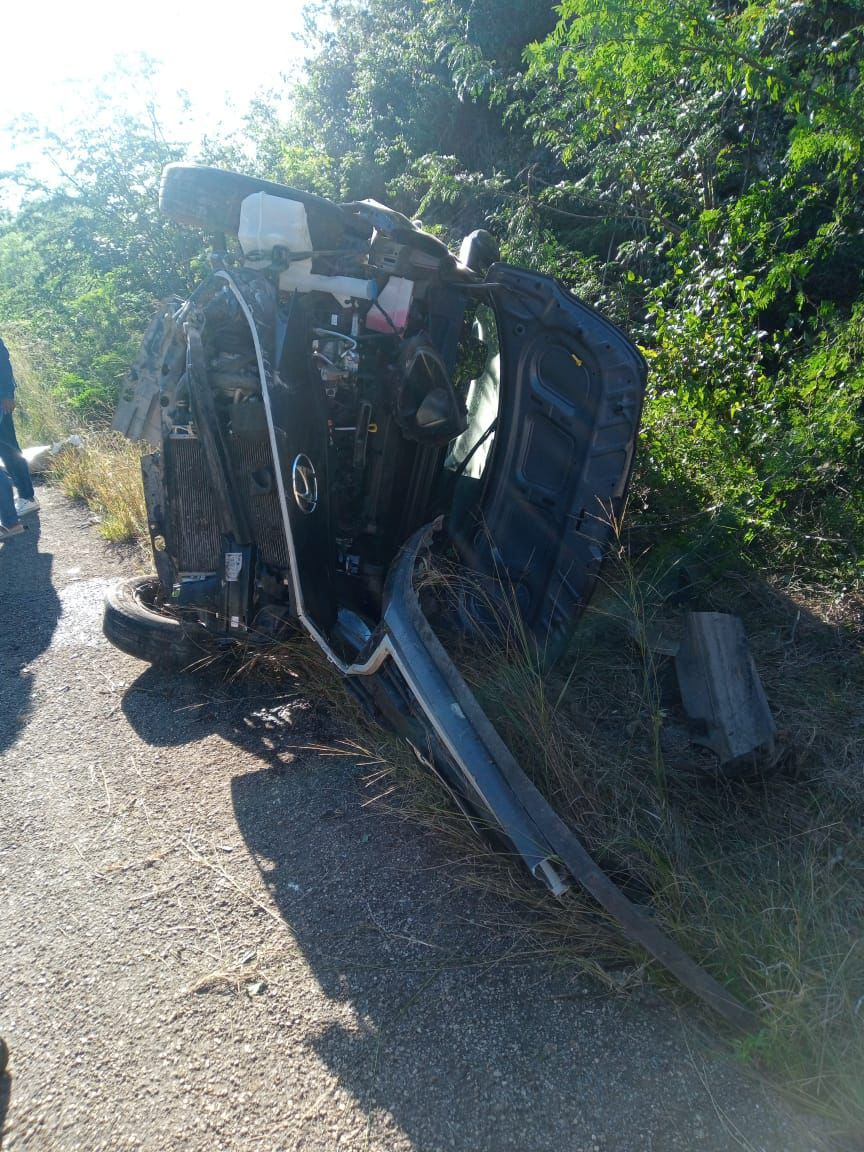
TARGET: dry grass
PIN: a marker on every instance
(106, 473)
(39, 416)
(761, 880)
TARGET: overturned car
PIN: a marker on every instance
(342, 399)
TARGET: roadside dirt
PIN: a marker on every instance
(210, 942)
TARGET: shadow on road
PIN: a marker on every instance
(452, 1038)
(450, 1032)
(29, 611)
(171, 710)
(5, 1087)
(5, 1098)
(447, 1028)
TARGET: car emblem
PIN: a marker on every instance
(304, 483)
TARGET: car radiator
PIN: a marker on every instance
(194, 536)
(193, 519)
(252, 462)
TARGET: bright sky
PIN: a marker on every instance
(219, 53)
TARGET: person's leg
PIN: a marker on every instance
(13, 461)
(8, 515)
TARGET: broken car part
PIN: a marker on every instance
(721, 690)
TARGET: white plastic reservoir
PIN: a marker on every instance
(267, 222)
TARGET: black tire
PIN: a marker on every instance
(134, 623)
(423, 241)
(210, 199)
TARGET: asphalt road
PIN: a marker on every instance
(210, 941)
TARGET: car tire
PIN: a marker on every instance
(133, 621)
(210, 199)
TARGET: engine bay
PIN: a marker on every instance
(325, 389)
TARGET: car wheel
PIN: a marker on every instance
(210, 199)
(136, 623)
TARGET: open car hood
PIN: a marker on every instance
(571, 398)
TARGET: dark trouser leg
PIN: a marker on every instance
(13, 461)
(8, 515)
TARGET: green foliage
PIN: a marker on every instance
(84, 260)
(690, 166)
(723, 145)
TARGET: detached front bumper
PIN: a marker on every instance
(429, 702)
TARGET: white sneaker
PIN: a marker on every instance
(23, 507)
(15, 530)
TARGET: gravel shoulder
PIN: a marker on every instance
(211, 941)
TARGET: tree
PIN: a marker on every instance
(87, 257)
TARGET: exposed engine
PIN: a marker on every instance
(356, 350)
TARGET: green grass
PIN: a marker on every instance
(39, 416)
(105, 471)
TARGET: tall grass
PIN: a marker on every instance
(39, 416)
(761, 880)
(105, 471)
